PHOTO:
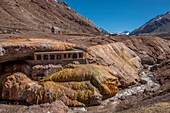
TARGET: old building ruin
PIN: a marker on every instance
(58, 57)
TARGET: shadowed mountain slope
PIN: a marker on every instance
(159, 24)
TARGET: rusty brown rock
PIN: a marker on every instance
(120, 59)
(16, 86)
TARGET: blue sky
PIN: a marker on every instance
(119, 15)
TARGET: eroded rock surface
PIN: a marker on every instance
(76, 85)
(17, 86)
(40, 71)
(83, 84)
(120, 59)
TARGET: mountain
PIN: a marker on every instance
(124, 33)
(159, 24)
(40, 15)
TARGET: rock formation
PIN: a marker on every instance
(78, 85)
(17, 86)
(162, 71)
(121, 60)
(17, 49)
(40, 71)
(87, 84)
(150, 49)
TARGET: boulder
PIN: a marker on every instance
(17, 86)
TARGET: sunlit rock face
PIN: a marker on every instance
(120, 59)
(75, 85)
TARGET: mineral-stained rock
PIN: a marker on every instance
(40, 71)
(120, 59)
(82, 84)
(17, 86)
(78, 85)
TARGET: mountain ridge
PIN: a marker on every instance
(35, 15)
(159, 24)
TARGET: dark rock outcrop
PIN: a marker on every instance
(40, 71)
(163, 75)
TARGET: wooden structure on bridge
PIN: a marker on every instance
(58, 57)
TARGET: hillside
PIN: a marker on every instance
(158, 25)
(23, 16)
